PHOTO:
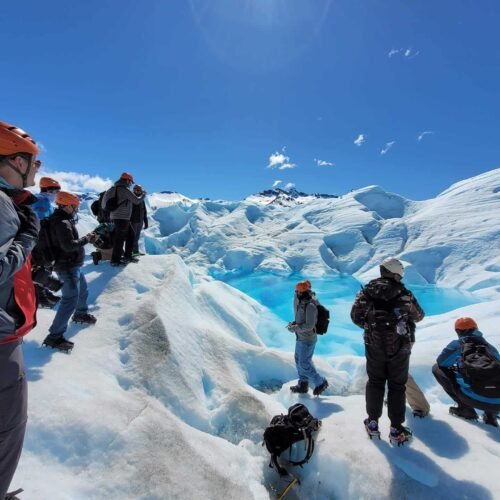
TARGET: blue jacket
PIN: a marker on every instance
(451, 356)
(44, 206)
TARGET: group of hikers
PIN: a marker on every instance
(32, 232)
(468, 368)
(38, 236)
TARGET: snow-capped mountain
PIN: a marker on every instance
(285, 197)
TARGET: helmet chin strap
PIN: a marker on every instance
(25, 175)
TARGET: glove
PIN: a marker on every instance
(291, 326)
(30, 223)
(91, 237)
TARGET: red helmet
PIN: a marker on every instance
(14, 140)
(138, 187)
(303, 286)
(127, 177)
(464, 324)
(47, 182)
(64, 198)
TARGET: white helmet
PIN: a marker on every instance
(394, 266)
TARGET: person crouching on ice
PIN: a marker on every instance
(468, 369)
(304, 327)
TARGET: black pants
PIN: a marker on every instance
(394, 371)
(447, 380)
(124, 233)
(137, 227)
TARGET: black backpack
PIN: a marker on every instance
(480, 367)
(323, 319)
(45, 252)
(285, 430)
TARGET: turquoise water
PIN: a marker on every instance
(337, 294)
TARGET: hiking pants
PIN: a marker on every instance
(13, 411)
(305, 367)
(394, 371)
(124, 233)
(415, 396)
(74, 299)
(447, 380)
(137, 227)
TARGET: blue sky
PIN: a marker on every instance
(198, 96)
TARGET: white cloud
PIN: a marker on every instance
(323, 163)
(410, 53)
(280, 161)
(76, 182)
(360, 140)
(387, 147)
(290, 185)
(41, 147)
(423, 134)
(393, 52)
(276, 183)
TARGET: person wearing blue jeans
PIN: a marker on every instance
(304, 327)
(69, 254)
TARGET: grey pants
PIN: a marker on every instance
(13, 411)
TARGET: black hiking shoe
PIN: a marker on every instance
(96, 257)
(86, 318)
(371, 427)
(131, 259)
(320, 388)
(59, 343)
(301, 387)
(400, 435)
(119, 263)
(464, 412)
(11, 495)
(420, 413)
(490, 418)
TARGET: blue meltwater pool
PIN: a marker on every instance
(337, 294)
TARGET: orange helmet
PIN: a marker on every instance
(47, 182)
(14, 140)
(138, 187)
(303, 286)
(127, 177)
(64, 198)
(464, 324)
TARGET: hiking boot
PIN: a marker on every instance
(58, 343)
(301, 388)
(490, 418)
(464, 412)
(96, 257)
(420, 413)
(132, 259)
(137, 254)
(119, 263)
(400, 435)
(320, 388)
(371, 427)
(84, 318)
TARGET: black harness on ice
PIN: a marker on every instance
(285, 430)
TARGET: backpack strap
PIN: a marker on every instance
(274, 464)
(309, 451)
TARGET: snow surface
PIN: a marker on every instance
(167, 396)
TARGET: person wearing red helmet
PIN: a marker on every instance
(44, 206)
(468, 369)
(19, 227)
(69, 255)
(305, 306)
(119, 201)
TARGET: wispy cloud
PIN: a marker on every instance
(280, 161)
(290, 185)
(323, 163)
(410, 53)
(76, 182)
(276, 183)
(387, 147)
(423, 134)
(360, 140)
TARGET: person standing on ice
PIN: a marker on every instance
(304, 327)
(119, 201)
(44, 206)
(387, 311)
(468, 369)
(19, 227)
(69, 255)
(139, 219)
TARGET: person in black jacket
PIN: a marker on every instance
(139, 219)
(69, 255)
(387, 311)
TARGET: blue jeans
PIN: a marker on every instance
(74, 298)
(305, 367)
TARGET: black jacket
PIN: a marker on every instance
(379, 307)
(139, 214)
(69, 251)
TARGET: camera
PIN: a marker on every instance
(43, 276)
